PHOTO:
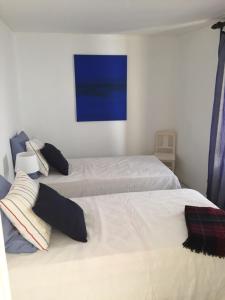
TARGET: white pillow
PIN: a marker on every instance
(39, 143)
(35, 146)
(17, 205)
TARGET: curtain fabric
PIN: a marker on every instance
(216, 163)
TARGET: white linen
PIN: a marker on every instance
(108, 175)
(134, 252)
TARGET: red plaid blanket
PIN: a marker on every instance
(206, 230)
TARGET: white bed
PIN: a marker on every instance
(134, 252)
(98, 176)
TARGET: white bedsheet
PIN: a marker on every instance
(134, 252)
(108, 175)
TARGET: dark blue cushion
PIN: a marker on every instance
(55, 158)
(14, 242)
(18, 144)
(61, 213)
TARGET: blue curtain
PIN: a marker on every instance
(216, 163)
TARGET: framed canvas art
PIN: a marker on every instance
(101, 87)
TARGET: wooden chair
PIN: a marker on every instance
(165, 147)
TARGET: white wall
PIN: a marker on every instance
(151, 89)
(9, 120)
(195, 89)
(8, 126)
(5, 293)
(47, 92)
(170, 85)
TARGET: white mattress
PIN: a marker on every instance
(98, 176)
(134, 252)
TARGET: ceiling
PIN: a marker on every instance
(106, 16)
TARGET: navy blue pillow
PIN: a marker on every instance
(61, 213)
(55, 158)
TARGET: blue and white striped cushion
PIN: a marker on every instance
(33, 145)
(17, 205)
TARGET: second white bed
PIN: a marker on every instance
(108, 175)
(134, 251)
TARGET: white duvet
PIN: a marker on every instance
(134, 252)
(108, 175)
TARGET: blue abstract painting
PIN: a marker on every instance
(101, 87)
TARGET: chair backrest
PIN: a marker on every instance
(165, 141)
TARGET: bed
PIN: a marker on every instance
(134, 251)
(98, 176)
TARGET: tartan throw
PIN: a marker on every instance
(206, 230)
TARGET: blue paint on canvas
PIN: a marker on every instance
(101, 87)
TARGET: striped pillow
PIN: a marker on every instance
(17, 205)
(34, 146)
